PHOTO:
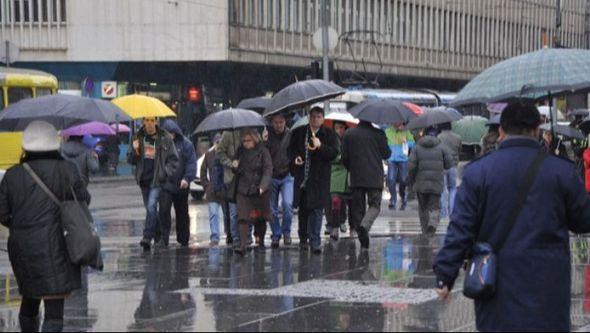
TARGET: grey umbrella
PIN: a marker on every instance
(62, 111)
(302, 94)
(434, 117)
(258, 104)
(229, 120)
(564, 130)
(382, 111)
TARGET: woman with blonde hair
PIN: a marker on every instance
(254, 172)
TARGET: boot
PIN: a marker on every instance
(53, 325)
(28, 324)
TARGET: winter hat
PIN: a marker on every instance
(41, 136)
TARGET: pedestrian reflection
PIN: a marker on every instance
(166, 304)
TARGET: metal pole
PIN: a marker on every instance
(325, 41)
(7, 45)
(558, 24)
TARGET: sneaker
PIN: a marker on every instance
(343, 228)
(335, 234)
(146, 244)
(363, 237)
(287, 240)
(275, 244)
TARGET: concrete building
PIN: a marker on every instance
(242, 48)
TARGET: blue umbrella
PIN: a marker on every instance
(531, 75)
(63, 111)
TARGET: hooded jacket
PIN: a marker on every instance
(428, 161)
(77, 153)
(187, 159)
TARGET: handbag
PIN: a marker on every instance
(482, 268)
(82, 241)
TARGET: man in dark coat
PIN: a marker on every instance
(36, 246)
(154, 156)
(533, 284)
(311, 151)
(176, 190)
(363, 151)
(428, 161)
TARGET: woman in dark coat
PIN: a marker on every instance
(254, 172)
(36, 245)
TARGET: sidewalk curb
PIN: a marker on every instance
(114, 179)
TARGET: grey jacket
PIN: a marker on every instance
(453, 142)
(166, 157)
(226, 152)
(77, 153)
(428, 161)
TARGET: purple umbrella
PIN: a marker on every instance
(93, 128)
(122, 128)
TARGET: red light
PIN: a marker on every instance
(194, 94)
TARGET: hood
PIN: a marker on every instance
(73, 149)
(429, 141)
(172, 127)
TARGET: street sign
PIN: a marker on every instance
(9, 52)
(108, 89)
(332, 39)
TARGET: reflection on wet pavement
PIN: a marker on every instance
(388, 288)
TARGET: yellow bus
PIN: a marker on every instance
(17, 84)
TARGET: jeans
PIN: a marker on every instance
(310, 226)
(226, 219)
(397, 171)
(214, 220)
(284, 188)
(361, 216)
(449, 192)
(180, 202)
(151, 196)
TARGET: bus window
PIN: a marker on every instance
(2, 101)
(39, 92)
(16, 94)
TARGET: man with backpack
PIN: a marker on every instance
(211, 175)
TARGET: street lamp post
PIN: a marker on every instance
(325, 41)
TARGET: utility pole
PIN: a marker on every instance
(587, 30)
(325, 41)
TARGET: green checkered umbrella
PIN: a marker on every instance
(471, 129)
(531, 75)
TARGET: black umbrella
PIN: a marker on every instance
(382, 111)
(230, 120)
(433, 118)
(62, 111)
(302, 94)
(564, 130)
(258, 104)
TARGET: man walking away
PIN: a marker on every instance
(363, 152)
(176, 190)
(312, 150)
(85, 159)
(400, 142)
(533, 281)
(282, 181)
(154, 156)
(453, 143)
(428, 161)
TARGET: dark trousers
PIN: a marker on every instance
(180, 202)
(54, 315)
(361, 216)
(429, 211)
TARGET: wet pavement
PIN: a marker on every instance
(388, 288)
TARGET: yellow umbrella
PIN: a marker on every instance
(140, 106)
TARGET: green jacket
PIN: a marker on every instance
(339, 177)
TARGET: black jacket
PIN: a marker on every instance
(278, 146)
(363, 150)
(187, 159)
(36, 245)
(255, 171)
(317, 189)
(166, 157)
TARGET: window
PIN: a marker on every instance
(39, 92)
(17, 11)
(17, 94)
